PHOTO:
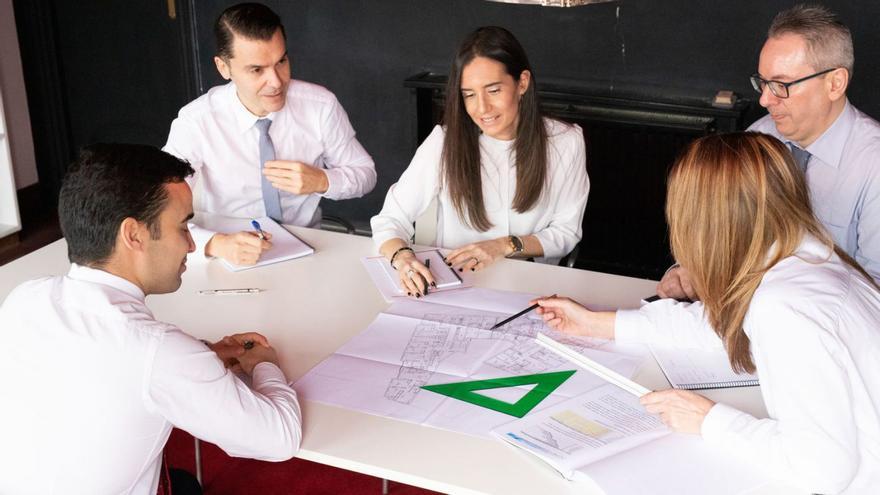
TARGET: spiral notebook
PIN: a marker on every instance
(699, 369)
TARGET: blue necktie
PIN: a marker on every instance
(271, 198)
(801, 156)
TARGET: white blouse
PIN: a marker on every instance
(814, 327)
(555, 219)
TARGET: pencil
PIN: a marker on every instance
(508, 320)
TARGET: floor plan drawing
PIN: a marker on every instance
(438, 336)
(382, 370)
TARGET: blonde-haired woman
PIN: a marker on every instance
(781, 299)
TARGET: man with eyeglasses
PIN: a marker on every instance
(804, 69)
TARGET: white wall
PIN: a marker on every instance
(18, 120)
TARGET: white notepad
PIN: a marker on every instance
(387, 279)
(698, 369)
(285, 246)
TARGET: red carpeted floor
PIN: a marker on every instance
(224, 475)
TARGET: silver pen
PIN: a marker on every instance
(224, 292)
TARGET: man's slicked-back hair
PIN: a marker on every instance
(253, 21)
(829, 41)
(107, 184)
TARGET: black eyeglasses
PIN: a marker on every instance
(779, 88)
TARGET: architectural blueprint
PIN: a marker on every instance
(382, 370)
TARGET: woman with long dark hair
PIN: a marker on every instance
(508, 182)
(782, 299)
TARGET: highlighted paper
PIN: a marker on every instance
(545, 384)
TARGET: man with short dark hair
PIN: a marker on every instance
(263, 144)
(804, 69)
(92, 384)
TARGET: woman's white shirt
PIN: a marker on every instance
(814, 328)
(555, 219)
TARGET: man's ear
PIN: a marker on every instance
(838, 81)
(132, 235)
(222, 68)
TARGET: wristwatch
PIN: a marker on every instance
(516, 244)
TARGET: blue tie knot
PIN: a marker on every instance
(801, 156)
(263, 125)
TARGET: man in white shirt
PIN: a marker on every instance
(233, 134)
(93, 383)
(803, 72)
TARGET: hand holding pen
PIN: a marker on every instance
(415, 276)
(239, 248)
(567, 316)
(256, 350)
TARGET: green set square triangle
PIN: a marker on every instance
(545, 384)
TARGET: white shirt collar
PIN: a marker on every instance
(813, 247)
(244, 119)
(96, 276)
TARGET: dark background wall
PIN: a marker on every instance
(100, 70)
(363, 50)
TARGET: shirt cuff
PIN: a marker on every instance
(266, 373)
(335, 183)
(631, 326)
(718, 422)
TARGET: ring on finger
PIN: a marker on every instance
(409, 273)
(475, 260)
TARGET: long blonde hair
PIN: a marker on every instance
(736, 205)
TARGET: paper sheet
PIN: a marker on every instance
(381, 370)
(285, 246)
(582, 430)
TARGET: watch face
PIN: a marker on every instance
(517, 244)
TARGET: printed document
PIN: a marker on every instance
(606, 436)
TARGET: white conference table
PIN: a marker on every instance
(313, 305)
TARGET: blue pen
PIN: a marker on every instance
(256, 226)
